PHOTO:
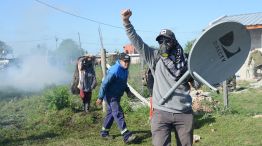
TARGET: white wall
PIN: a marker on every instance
(135, 58)
(245, 73)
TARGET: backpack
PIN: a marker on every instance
(75, 81)
(74, 89)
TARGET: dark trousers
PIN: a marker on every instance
(114, 112)
(87, 97)
(163, 123)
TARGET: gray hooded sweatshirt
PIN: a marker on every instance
(180, 101)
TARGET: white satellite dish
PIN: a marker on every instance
(217, 54)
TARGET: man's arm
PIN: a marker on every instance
(144, 50)
(129, 93)
(127, 90)
(109, 77)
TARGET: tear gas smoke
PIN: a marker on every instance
(33, 74)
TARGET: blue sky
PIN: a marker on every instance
(26, 23)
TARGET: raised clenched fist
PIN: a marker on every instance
(126, 13)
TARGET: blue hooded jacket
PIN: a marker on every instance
(115, 83)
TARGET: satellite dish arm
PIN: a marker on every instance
(170, 91)
(180, 81)
(202, 80)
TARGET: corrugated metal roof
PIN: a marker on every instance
(245, 19)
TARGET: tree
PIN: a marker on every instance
(4, 49)
(189, 46)
(68, 50)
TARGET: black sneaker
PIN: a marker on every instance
(130, 139)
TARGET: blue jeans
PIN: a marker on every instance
(114, 112)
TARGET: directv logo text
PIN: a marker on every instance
(226, 41)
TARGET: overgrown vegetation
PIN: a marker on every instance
(57, 98)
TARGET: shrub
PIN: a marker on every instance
(57, 98)
(125, 104)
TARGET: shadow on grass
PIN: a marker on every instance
(241, 88)
(140, 136)
(32, 138)
(203, 119)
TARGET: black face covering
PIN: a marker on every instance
(166, 45)
(172, 56)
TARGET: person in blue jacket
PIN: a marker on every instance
(112, 88)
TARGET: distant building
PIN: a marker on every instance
(135, 58)
(253, 23)
(129, 49)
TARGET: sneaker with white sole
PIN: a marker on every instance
(130, 139)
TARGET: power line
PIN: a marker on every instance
(85, 18)
(78, 16)
(95, 21)
(75, 15)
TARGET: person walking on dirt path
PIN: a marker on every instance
(112, 89)
(167, 64)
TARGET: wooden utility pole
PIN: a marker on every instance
(103, 62)
(79, 40)
(225, 94)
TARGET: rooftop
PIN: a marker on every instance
(251, 19)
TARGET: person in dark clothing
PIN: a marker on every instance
(149, 81)
(112, 88)
(167, 65)
(87, 80)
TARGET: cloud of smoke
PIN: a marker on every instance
(33, 74)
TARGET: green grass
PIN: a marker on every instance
(230, 130)
(25, 119)
(29, 122)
